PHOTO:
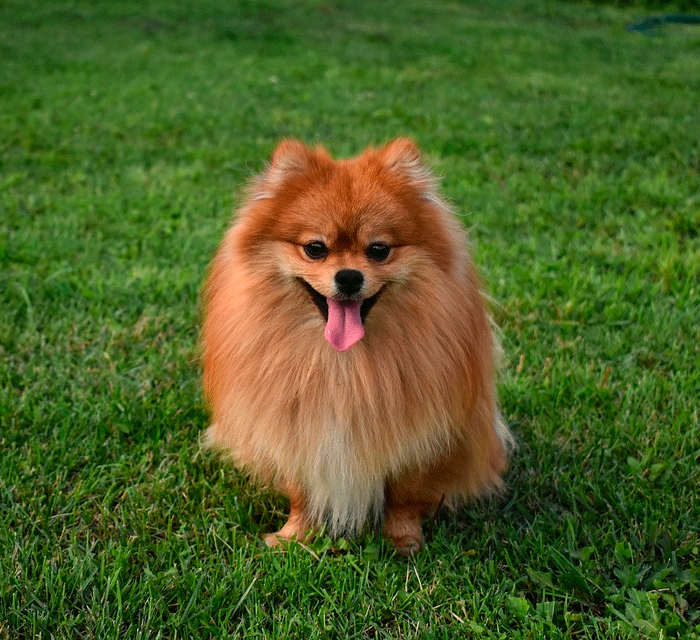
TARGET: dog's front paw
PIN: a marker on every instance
(402, 526)
(288, 533)
(407, 545)
(271, 539)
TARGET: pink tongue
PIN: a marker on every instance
(344, 327)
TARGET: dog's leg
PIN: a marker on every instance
(297, 526)
(460, 475)
(410, 498)
(402, 525)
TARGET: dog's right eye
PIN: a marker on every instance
(316, 250)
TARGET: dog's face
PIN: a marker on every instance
(344, 232)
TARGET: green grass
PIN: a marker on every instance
(571, 146)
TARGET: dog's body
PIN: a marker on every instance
(348, 356)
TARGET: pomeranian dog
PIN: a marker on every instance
(348, 354)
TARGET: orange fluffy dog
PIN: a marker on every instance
(348, 356)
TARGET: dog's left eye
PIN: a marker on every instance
(378, 251)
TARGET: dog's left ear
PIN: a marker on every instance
(402, 156)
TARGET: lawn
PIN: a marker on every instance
(572, 149)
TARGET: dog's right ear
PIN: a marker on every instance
(290, 159)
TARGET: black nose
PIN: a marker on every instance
(349, 281)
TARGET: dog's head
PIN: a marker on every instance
(345, 231)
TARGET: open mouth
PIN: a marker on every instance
(344, 318)
(322, 302)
